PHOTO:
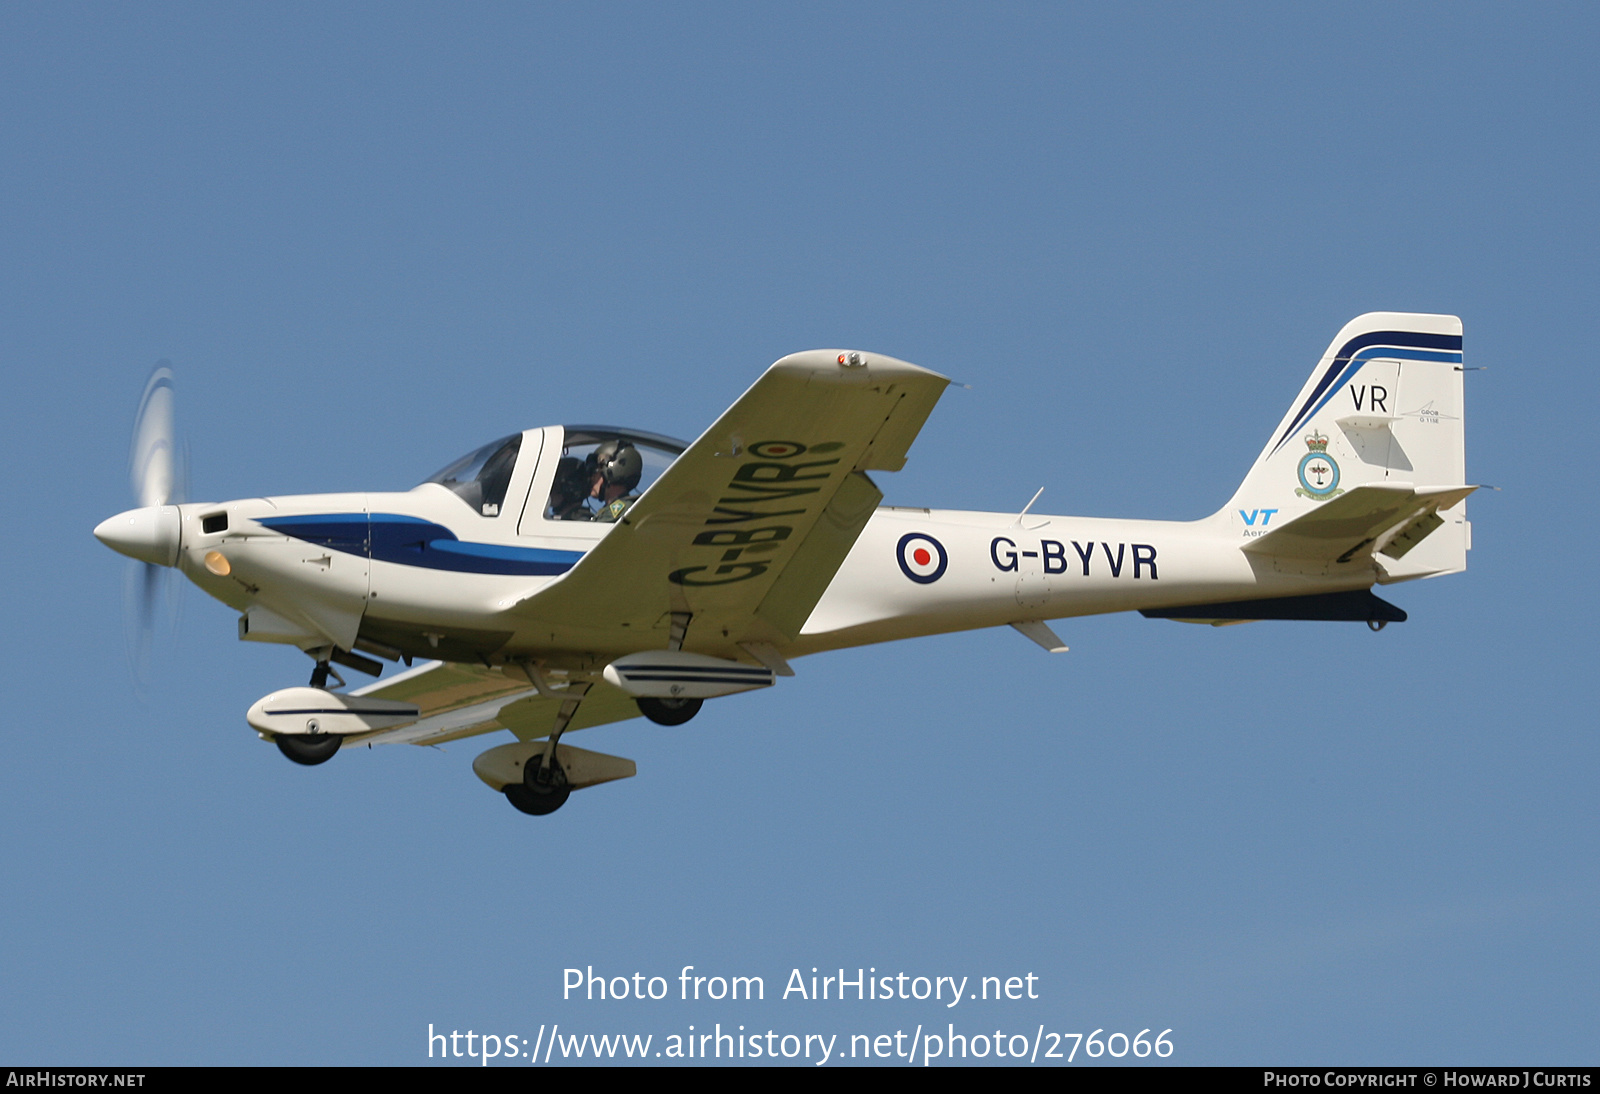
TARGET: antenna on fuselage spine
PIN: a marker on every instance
(1025, 508)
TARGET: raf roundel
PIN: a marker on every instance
(922, 558)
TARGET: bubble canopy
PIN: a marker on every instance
(482, 477)
(575, 467)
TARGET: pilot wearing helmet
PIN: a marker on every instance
(614, 471)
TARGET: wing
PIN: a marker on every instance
(464, 700)
(746, 528)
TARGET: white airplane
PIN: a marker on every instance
(572, 576)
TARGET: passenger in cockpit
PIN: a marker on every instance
(570, 491)
(614, 470)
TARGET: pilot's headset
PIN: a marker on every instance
(620, 463)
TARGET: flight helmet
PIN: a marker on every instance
(619, 462)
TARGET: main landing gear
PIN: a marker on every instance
(669, 712)
(544, 787)
(672, 712)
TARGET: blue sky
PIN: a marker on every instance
(371, 238)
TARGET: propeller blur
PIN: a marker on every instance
(149, 534)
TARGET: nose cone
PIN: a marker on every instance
(149, 534)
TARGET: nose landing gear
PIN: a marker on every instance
(308, 750)
(669, 712)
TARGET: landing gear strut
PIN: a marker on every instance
(323, 669)
(544, 787)
(672, 712)
(669, 712)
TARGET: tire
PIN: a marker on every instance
(539, 799)
(535, 805)
(669, 712)
(309, 751)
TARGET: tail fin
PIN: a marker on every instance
(1383, 408)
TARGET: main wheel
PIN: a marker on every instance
(537, 805)
(309, 751)
(539, 793)
(669, 712)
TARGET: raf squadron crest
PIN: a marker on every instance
(1319, 474)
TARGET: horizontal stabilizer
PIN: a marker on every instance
(1389, 517)
(1358, 606)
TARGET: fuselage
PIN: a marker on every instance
(421, 573)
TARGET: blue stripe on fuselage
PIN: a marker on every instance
(411, 541)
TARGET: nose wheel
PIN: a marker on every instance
(669, 712)
(309, 751)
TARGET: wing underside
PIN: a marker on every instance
(466, 700)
